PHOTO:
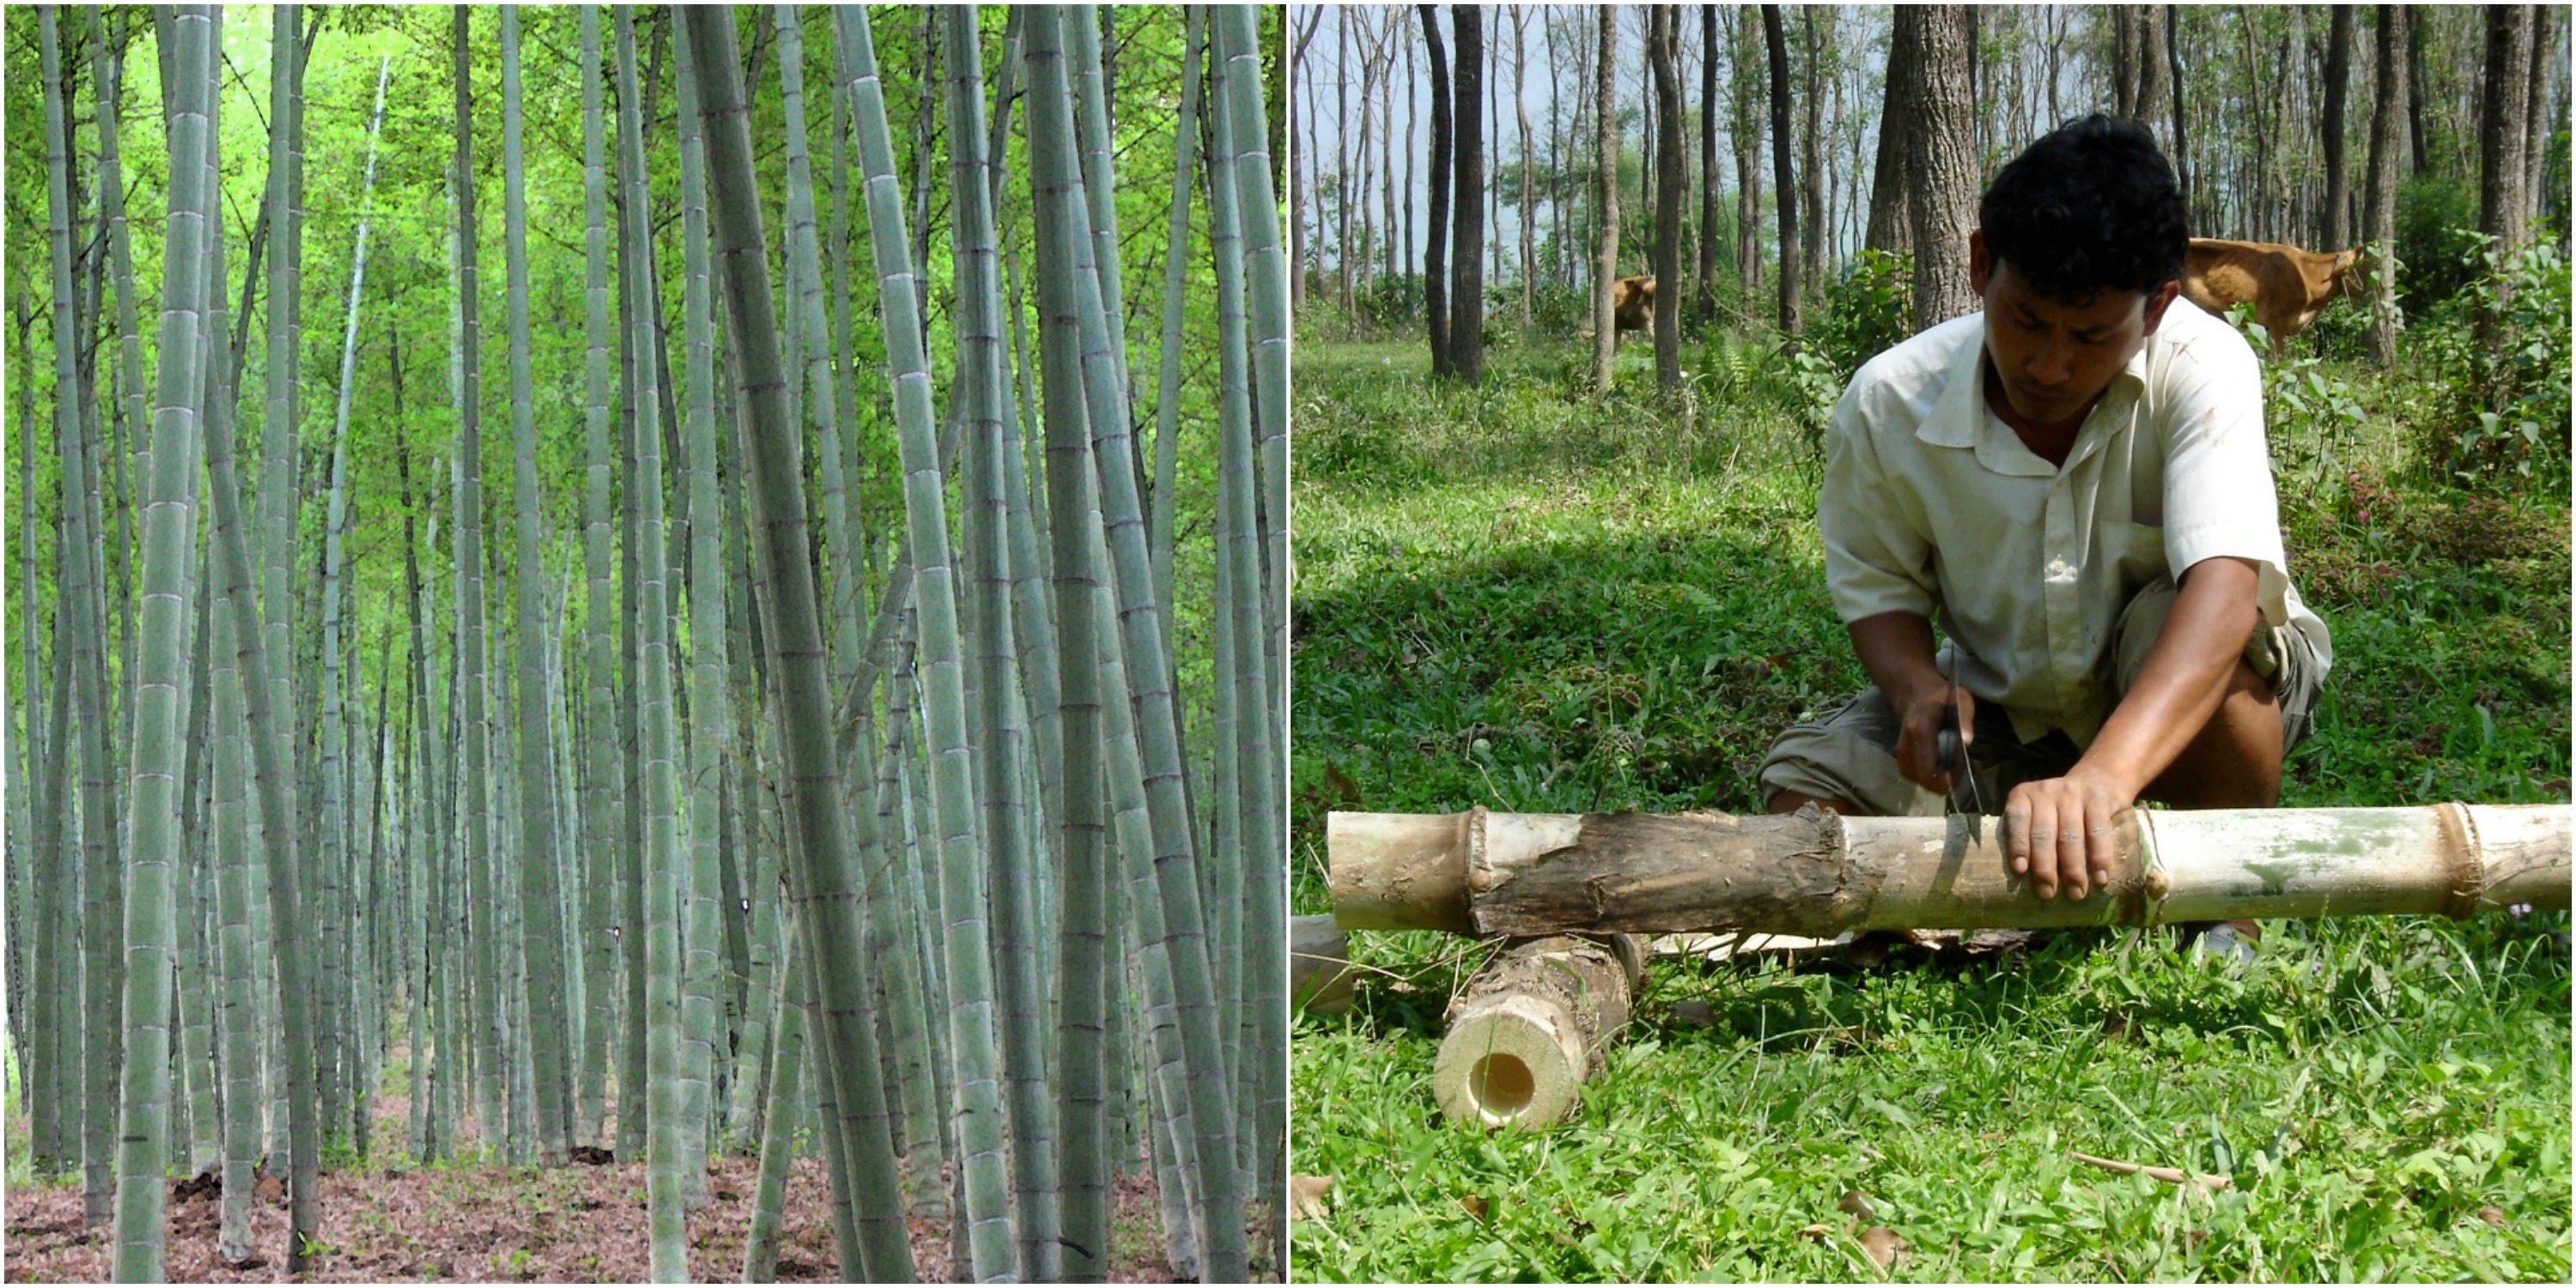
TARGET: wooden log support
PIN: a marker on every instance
(1319, 967)
(1820, 874)
(1530, 1027)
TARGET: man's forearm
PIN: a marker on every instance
(2184, 678)
(1896, 650)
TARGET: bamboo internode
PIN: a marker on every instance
(1821, 874)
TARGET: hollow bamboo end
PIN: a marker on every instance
(1511, 1060)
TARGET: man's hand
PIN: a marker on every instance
(2058, 830)
(1918, 742)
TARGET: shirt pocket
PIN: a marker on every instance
(2138, 550)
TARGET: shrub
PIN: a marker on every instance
(2437, 242)
(2500, 413)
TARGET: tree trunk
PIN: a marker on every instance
(1605, 201)
(1662, 39)
(1435, 255)
(2335, 230)
(1529, 188)
(2536, 131)
(1467, 202)
(2379, 210)
(1820, 874)
(1749, 126)
(1784, 178)
(1891, 201)
(2181, 146)
(1706, 267)
(2501, 120)
(1817, 31)
(2418, 89)
(1943, 199)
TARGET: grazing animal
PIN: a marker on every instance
(2287, 286)
(1632, 304)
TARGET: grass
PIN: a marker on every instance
(1515, 597)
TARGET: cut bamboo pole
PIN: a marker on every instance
(1531, 1026)
(1820, 874)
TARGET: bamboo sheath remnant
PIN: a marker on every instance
(1821, 874)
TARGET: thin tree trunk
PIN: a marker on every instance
(1784, 179)
(1467, 266)
(1435, 256)
(2379, 191)
(1661, 50)
(1605, 202)
(2335, 230)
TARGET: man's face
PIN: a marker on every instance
(2053, 358)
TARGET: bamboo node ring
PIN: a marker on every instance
(2468, 865)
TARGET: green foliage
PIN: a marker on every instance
(1869, 308)
(2437, 240)
(2501, 413)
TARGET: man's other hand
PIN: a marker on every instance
(2058, 831)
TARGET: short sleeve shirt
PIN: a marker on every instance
(1932, 505)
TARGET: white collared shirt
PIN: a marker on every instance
(1932, 504)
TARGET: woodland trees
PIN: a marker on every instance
(2276, 165)
(773, 764)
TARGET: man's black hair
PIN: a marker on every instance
(2092, 206)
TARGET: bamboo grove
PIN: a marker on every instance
(662, 581)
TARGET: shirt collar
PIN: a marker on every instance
(1960, 419)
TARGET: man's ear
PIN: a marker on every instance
(2157, 303)
(1979, 266)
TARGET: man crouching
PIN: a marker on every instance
(2076, 481)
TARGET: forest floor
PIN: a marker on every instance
(511, 1224)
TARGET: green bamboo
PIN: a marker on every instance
(541, 931)
(777, 1137)
(793, 635)
(815, 341)
(1183, 1208)
(971, 1020)
(985, 405)
(1250, 702)
(603, 780)
(1246, 122)
(902, 934)
(279, 501)
(84, 628)
(1167, 407)
(162, 661)
(1072, 294)
(709, 720)
(274, 782)
(491, 1065)
(231, 826)
(665, 1148)
(107, 58)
